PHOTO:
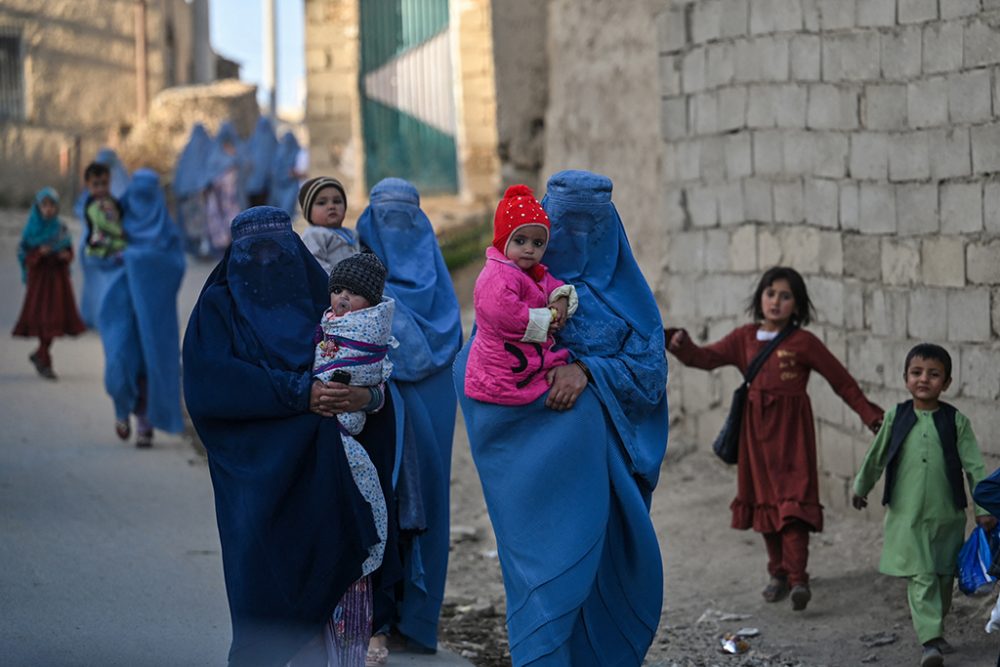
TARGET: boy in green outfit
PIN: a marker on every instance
(923, 446)
(102, 214)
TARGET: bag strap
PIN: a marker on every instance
(758, 361)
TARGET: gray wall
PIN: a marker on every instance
(858, 142)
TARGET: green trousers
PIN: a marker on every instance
(930, 599)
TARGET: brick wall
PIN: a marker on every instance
(860, 143)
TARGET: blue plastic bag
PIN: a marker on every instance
(974, 562)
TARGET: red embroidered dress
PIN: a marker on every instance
(777, 479)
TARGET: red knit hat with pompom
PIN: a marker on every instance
(517, 209)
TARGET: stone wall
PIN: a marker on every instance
(79, 84)
(520, 32)
(860, 143)
(603, 112)
(333, 101)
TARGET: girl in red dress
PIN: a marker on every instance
(45, 253)
(777, 490)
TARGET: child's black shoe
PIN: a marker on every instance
(931, 656)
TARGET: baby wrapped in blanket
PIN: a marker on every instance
(354, 337)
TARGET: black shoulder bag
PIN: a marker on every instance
(727, 443)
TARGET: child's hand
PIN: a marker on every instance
(44, 249)
(561, 306)
(859, 502)
(987, 522)
(675, 339)
(64, 255)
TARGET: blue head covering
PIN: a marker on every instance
(221, 160)
(293, 526)
(427, 322)
(191, 174)
(41, 231)
(261, 148)
(119, 174)
(617, 330)
(146, 220)
(284, 184)
(276, 286)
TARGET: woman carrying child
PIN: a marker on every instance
(568, 478)
(777, 490)
(45, 253)
(294, 527)
(427, 324)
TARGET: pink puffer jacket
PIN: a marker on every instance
(512, 351)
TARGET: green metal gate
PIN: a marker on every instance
(407, 93)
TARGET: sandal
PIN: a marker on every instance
(776, 590)
(122, 429)
(376, 657)
(800, 597)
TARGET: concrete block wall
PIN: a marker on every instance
(858, 141)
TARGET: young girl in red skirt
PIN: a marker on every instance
(45, 253)
(777, 482)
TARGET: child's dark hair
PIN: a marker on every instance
(804, 311)
(95, 169)
(929, 351)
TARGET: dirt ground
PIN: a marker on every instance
(713, 576)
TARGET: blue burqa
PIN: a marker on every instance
(284, 183)
(191, 174)
(428, 326)
(294, 527)
(97, 271)
(138, 313)
(568, 493)
(260, 148)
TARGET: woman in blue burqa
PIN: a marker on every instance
(138, 316)
(260, 152)
(568, 479)
(294, 528)
(428, 326)
(190, 185)
(95, 269)
(284, 177)
(225, 197)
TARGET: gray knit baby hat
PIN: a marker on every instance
(363, 274)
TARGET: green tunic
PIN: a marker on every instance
(924, 531)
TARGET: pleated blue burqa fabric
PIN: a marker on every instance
(428, 326)
(294, 528)
(97, 271)
(191, 182)
(568, 493)
(284, 183)
(138, 313)
(260, 149)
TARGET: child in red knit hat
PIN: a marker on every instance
(519, 306)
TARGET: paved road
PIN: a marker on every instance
(109, 555)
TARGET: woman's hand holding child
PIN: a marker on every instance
(566, 383)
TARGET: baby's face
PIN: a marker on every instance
(343, 301)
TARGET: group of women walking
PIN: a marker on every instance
(568, 489)
(216, 178)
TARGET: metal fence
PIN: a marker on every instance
(11, 74)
